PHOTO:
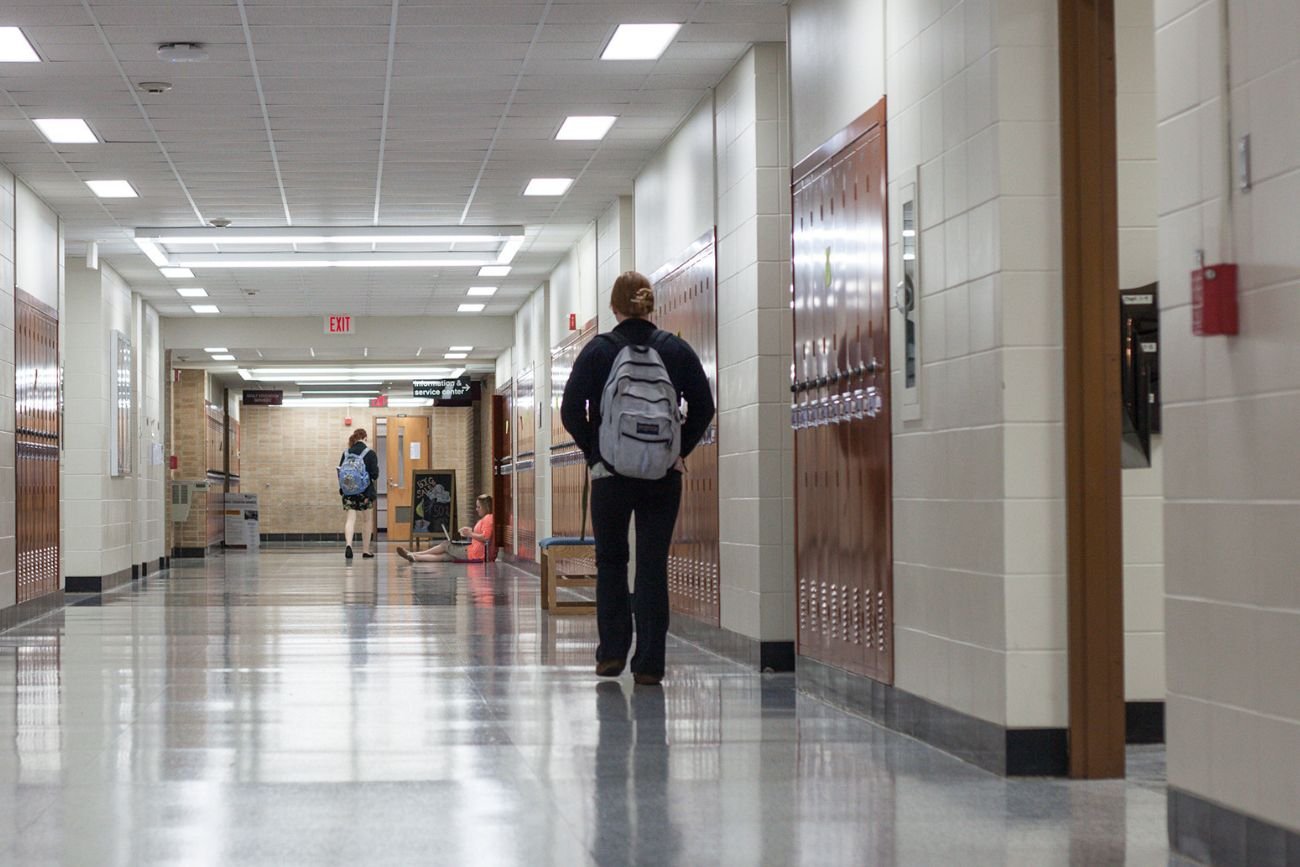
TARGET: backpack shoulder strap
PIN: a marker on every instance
(659, 339)
(615, 338)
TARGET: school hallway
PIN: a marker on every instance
(290, 708)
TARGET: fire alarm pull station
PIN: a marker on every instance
(1214, 300)
(573, 322)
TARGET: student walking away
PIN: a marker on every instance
(358, 469)
(622, 405)
(478, 545)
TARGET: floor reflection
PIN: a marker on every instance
(289, 707)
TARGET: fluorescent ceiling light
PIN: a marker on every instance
(215, 349)
(585, 127)
(455, 355)
(639, 41)
(460, 349)
(15, 48)
(331, 234)
(323, 375)
(205, 308)
(313, 384)
(150, 249)
(547, 186)
(245, 375)
(508, 252)
(338, 260)
(470, 308)
(65, 130)
(192, 292)
(494, 271)
(223, 358)
(113, 189)
(341, 391)
(484, 291)
(177, 273)
(353, 401)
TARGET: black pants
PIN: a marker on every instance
(614, 501)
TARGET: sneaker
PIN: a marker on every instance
(347, 553)
(405, 554)
(647, 679)
(610, 667)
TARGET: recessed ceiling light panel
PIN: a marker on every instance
(455, 355)
(483, 291)
(66, 130)
(548, 186)
(215, 349)
(585, 127)
(192, 292)
(460, 349)
(494, 271)
(113, 189)
(205, 308)
(15, 47)
(470, 308)
(177, 273)
(222, 357)
(639, 41)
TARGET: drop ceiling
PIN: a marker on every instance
(351, 113)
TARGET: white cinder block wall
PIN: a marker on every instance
(615, 253)
(1232, 405)
(117, 522)
(1144, 577)
(8, 513)
(756, 443)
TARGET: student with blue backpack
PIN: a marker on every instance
(358, 470)
(622, 405)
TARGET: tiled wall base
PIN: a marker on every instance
(100, 583)
(1011, 752)
(750, 652)
(15, 615)
(277, 538)
(1144, 722)
(1213, 834)
(189, 553)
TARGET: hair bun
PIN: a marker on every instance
(643, 301)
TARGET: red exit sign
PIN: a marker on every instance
(338, 324)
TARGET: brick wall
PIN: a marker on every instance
(288, 456)
(189, 444)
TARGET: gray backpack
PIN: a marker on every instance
(640, 420)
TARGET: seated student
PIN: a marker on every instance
(479, 547)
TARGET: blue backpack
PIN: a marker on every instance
(354, 478)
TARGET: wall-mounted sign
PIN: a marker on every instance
(338, 324)
(446, 392)
(380, 401)
(263, 397)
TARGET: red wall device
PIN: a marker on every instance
(1214, 300)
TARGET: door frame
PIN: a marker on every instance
(1093, 398)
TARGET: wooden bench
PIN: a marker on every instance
(567, 561)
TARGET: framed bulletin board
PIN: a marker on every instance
(433, 503)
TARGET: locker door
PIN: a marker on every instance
(686, 304)
(840, 411)
(526, 466)
(36, 446)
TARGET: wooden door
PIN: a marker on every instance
(36, 446)
(503, 469)
(568, 465)
(407, 450)
(686, 304)
(841, 406)
(526, 466)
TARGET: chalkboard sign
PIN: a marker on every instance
(433, 500)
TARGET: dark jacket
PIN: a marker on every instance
(580, 409)
(372, 466)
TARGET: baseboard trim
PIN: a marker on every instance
(189, 553)
(1037, 752)
(100, 583)
(32, 609)
(752, 653)
(1144, 722)
(1214, 834)
(276, 538)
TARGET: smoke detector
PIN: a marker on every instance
(182, 52)
(154, 86)
(219, 222)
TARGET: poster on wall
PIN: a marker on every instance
(433, 495)
(119, 429)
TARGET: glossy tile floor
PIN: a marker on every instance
(287, 708)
